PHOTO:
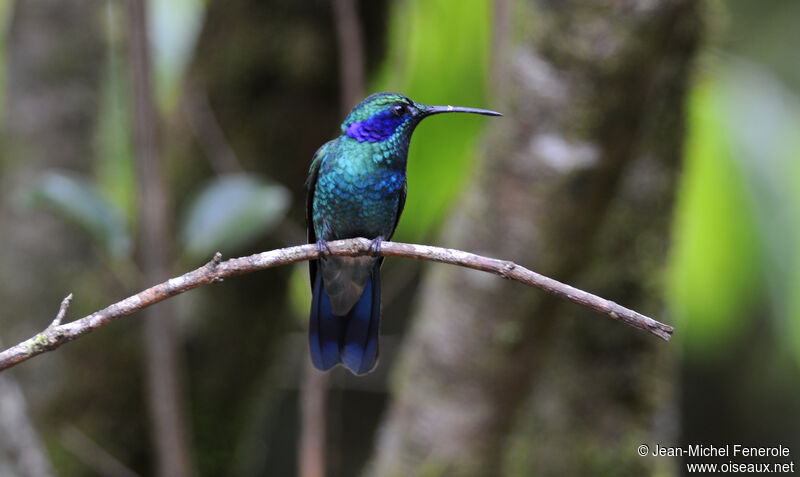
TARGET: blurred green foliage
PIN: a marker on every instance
(174, 29)
(438, 53)
(79, 202)
(299, 292)
(113, 160)
(715, 259)
(737, 237)
(230, 211)
(5, 19)
(226, 213)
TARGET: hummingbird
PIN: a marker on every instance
(357, 188)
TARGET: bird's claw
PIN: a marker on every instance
(323, 249)
(375, 245)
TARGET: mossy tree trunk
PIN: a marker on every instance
(577, 183)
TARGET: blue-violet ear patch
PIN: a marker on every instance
(375, 129)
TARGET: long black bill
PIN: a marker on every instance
(458, 109)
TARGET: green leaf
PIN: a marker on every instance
(427, 64)
(768, 151)
(5, 22)
(299, 292)
(715, 267)
(737, 252)
(174, 29)
(231, 211)
(79, 202)
(793, 305)
(114, 169)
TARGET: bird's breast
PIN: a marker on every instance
(351, 202)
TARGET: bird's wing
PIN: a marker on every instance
(311, 184)
(400, 204)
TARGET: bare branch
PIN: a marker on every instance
(215, 271)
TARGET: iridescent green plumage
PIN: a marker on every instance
(357, 188)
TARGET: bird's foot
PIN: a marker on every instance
(375, 246)
(323, 249)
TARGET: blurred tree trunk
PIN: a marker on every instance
(52, 74)
(164, 372)
(51, 102)
(52, 70)
(21, 452)
(578, 184)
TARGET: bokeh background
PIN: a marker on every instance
(649, 153)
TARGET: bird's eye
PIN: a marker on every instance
(399, 110)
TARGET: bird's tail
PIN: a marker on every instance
(351, 339)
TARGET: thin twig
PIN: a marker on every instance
(52, 338)
(62, 311)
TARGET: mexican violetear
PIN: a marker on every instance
(357, 188)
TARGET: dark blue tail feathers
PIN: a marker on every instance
(360, 344)
(324, 329)
(352, 339)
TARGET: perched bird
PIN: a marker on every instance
(357, 188)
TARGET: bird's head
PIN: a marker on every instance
(382, 116)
